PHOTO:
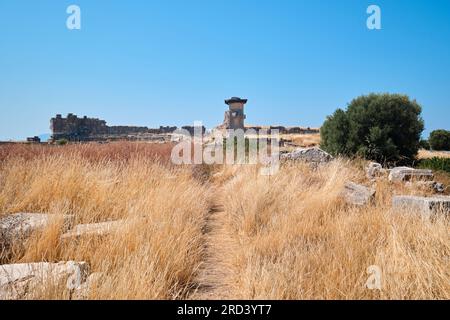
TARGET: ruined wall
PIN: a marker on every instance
(127, 130)
(285, 130)
(73, 128)
(191, 129)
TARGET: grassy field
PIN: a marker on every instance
(288, 236)
(155, 255)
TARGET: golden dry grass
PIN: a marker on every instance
(297, 239)
(304, 140)
(156, 253)
(113, 151)
(427, 154)
(288, 236)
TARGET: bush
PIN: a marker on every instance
(440, 140)
(62, 142)
(380, 127)
(424, 144)
(437, 164)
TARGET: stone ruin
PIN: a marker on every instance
(34, 139)
(235, 119)
(86, 129)
(74, 128)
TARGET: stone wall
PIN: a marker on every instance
(285, 130)
(73, 128)
(191, 129)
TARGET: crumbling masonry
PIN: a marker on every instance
(73, 128)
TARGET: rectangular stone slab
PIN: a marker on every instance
(358, 194)
(400, 174)
(425, 205)
(20, 281)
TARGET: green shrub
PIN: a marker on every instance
(424, 144)
(380, 127)
(440, 140)
(62, 142)
(436, 163)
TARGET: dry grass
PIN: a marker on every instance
(427, 154)
(93, 152)
(288, 236)
(304, 140)
(296, 239)
(156, 253)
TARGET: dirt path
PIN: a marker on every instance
(214, 270)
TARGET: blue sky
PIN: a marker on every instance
(171, 62)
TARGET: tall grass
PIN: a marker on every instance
(157, 251)
(296, 239)
(288, 236)
(90, 151)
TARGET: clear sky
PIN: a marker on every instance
(171, 62)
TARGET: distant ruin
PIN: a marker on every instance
(235, 119)
(74, 128)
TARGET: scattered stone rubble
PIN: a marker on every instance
(24, 281)
(312, 155)
(419, 178)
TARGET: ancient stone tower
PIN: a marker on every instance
(234, 117)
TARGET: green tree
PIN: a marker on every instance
(440, 140)
(424, 144)
(62, 142)
(381, 127)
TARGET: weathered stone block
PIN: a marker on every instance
(312, 155)
(22, 281)
(427, 206)
(374, 170)
(357, 194)
(400, 174)
(18, 227)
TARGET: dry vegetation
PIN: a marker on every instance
(303, 140)
(297, 239)
(288, 236)
(155, 255)
(427, 154)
